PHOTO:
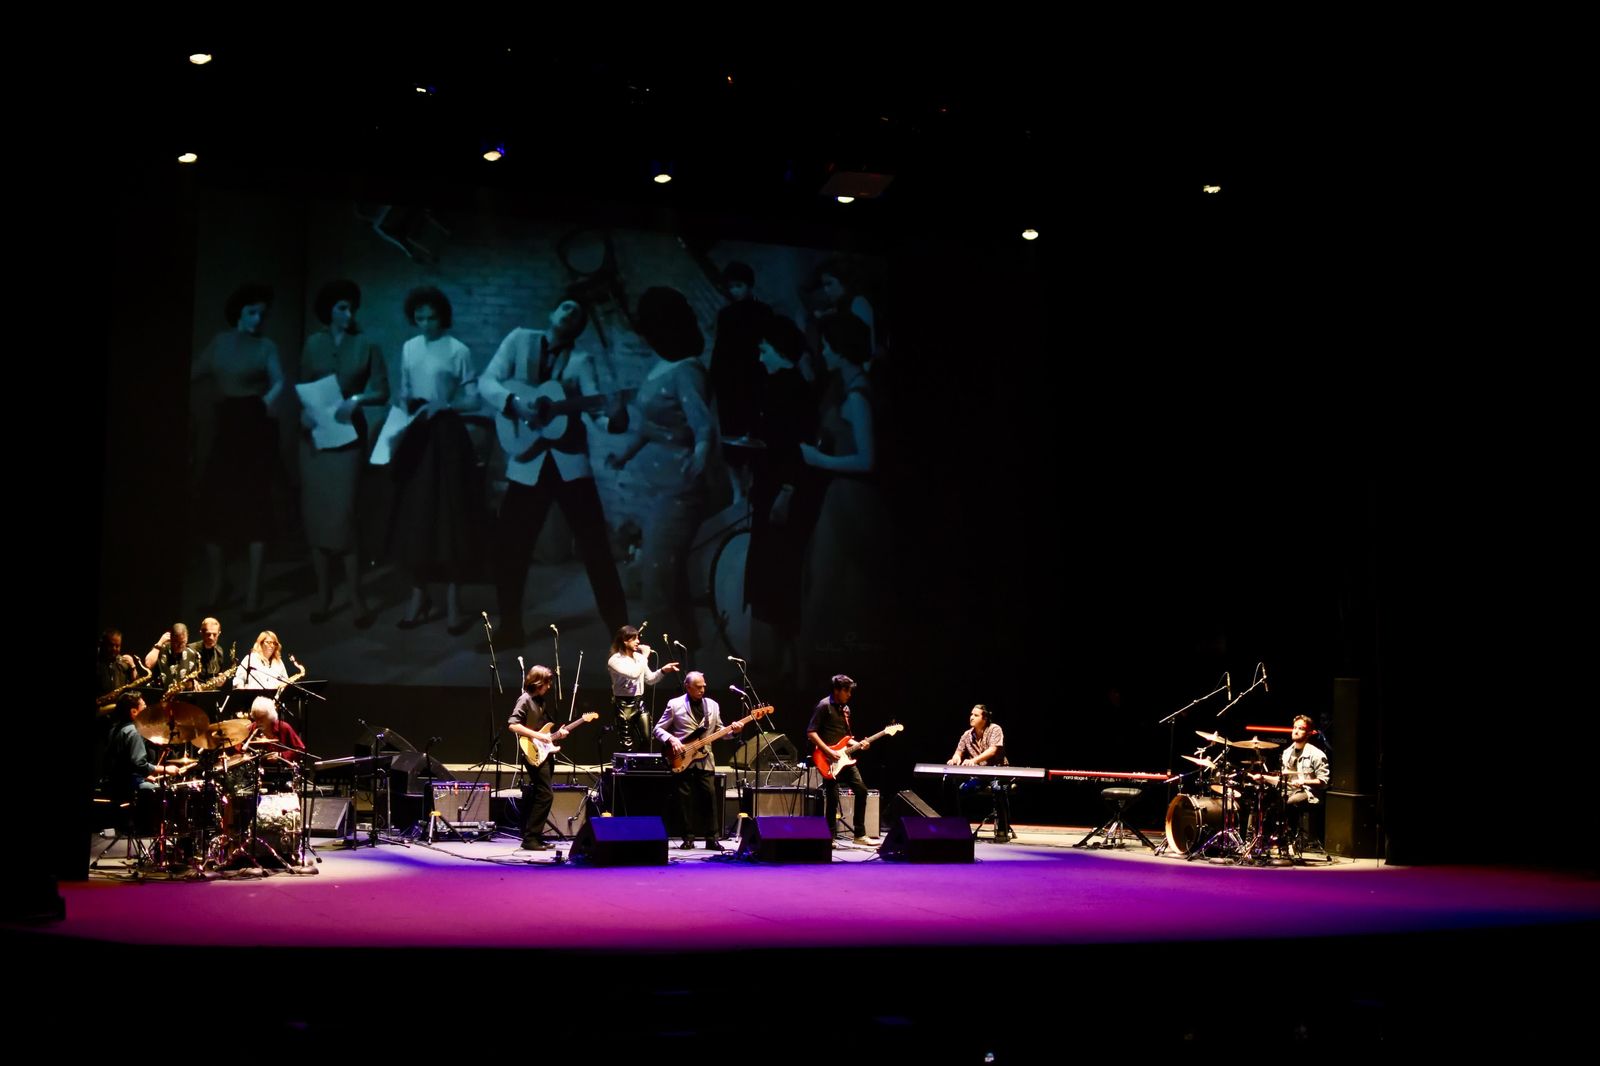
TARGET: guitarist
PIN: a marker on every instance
(557, 471)
(527, 718)
(693, 715)
(830, 724)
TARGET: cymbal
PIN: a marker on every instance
(1215, 738)
(228, 732)
(152, 724)
(1233, 793)
(1254, 744)
(1198, 761)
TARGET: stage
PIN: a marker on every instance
(1059, 946)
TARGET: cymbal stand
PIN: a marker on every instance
(1226, 839)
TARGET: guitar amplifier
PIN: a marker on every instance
(461, 801)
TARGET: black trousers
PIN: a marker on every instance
(522, 515)
(536, 800)
(851, 776)
(696, 790)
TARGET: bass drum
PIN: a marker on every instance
(1191, 819)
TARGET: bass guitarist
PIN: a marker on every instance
(690, 715)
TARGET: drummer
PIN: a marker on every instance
(1309, 766)
(268, 726)
(132, 761)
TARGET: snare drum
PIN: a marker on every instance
(1191, 819)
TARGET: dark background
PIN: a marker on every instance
(1176, 435)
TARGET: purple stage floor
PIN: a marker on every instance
(1034, 952)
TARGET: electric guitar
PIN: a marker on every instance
(551, 405)
(847, 749)
(678, 761)
(537, 750)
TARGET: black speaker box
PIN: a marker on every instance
(928, 840)
(916, 804)
(332, 816)
(1351, 827)
(779, 839)
(621, 842)
(790, 801)
(776, 749)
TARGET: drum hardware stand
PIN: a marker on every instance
(250, 841)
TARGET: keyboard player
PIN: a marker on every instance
(984, 744)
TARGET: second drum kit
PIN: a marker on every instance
(1234, 805)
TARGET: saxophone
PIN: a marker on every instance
(109, 700)
(300, 672)
(223, 676)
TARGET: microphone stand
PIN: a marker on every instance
(557, 632)
(496, 690)
(1171, 722)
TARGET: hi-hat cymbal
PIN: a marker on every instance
(1198, 761)
(1215, 738)
(1254, 744)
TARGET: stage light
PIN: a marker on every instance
(662, 178)
(188, 157)
(1030, 234)
(1210, 188)
(494, 154)
(200, 59)
(845, 199)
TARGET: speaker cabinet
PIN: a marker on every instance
(916, 804)
(928, 840)
(847, 810)
(1351, 828)
(332, 816)
(461, 802)
(775, 750)
(787, 840)
(621, 842)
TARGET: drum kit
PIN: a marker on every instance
(226, 798)
(1233, 806)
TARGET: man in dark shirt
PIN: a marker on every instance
(829, 726)
(527, 718)
(130, 763)
(213, 660)
(171, 657)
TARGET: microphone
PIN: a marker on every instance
(679, 643)
(735, 659)
(522, 666)
(741, 692)
(554, 630)
(1264, 686)
(642, 625)
(486, 624)
(1227, 679)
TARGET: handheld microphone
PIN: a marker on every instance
(735, 659)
